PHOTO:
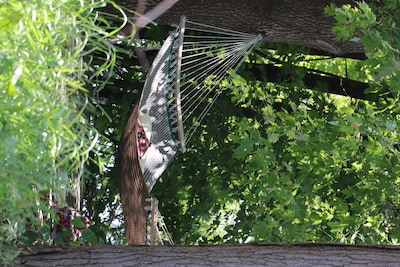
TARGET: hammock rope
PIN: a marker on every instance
(182, 85)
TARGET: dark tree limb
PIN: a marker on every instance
(313, 80)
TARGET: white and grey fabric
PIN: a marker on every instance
(183, 83)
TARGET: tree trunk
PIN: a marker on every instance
(132, 188)
(301, 22)
(308, 254)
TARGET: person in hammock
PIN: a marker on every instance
(143, 142)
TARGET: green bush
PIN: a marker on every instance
(45, 136)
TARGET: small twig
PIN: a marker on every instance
(110, 138)
(156, 12)
(140, 9)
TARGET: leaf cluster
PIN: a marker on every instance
(373, 25)
(45, 129)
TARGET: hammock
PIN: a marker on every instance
(184, 78)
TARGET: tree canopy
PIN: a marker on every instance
(302, 144)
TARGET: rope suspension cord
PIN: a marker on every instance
(183, 83)
(178, 87)
(208, 54)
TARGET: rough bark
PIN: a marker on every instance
(132, 188)
(286, 21)
(226, 255)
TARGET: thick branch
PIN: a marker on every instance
(229, 255)
(313, 80)
(283, 21)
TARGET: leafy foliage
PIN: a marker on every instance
(314, 171)
(272, 162)
(375, 26)
(45, 132)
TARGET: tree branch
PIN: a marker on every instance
(313, 80)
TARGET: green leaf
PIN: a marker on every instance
(12, 90)
(391, 125)
(301, 137)
(9, 18)
(30, 237)
(89, 236)
(63, 236)
(77, 222)
(273, 137)
(244, 149)
(256, 162)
